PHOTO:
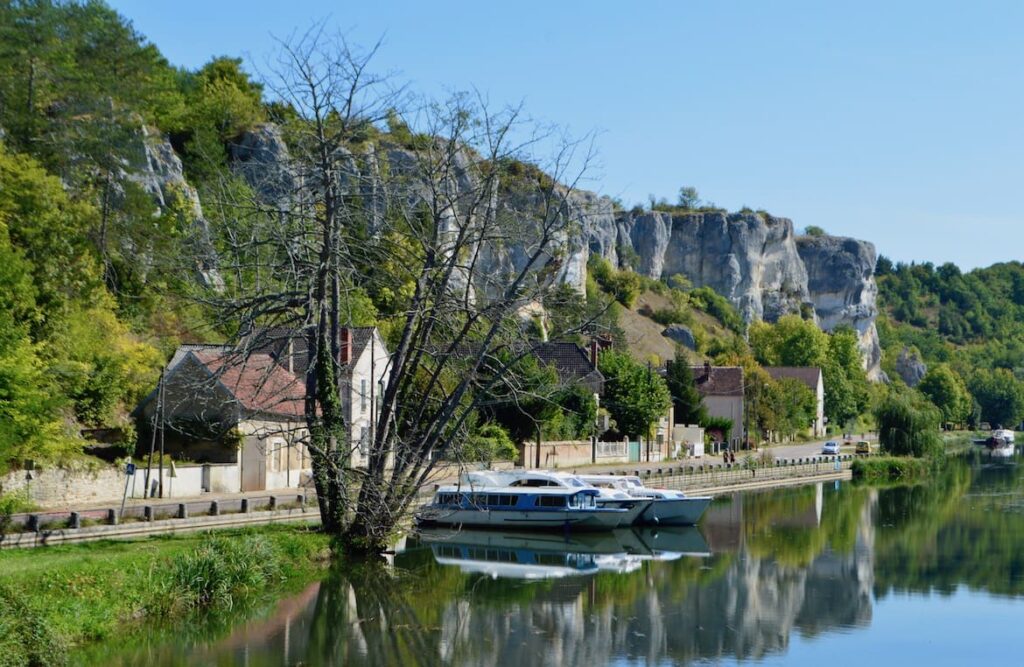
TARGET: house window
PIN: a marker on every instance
(362, 395)
(364, 440)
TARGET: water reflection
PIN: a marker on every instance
(762, 570)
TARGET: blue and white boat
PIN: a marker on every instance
(647, 507)
(519, 507)
(608, 498)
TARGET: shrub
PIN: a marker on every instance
(490, 443)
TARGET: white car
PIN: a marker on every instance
(831, 448)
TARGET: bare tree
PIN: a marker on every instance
(453, 224)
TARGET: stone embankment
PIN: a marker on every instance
(140, 520)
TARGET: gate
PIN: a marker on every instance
(634, 451)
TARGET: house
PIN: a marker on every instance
(364, 361)
(721, 390)
(812, 377)
(218, 408)
(245, 405)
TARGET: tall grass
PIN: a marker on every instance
(25, 636)
(884, 469)
(57, 599)
(218, 573)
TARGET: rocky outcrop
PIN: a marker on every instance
(910, 367)
(748, 257)
(841, 285)
(152, 164)
(680, 334)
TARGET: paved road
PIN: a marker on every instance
(814, 447)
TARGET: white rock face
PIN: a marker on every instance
(842, 287)
(753, 259)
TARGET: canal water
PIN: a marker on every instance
(827, 574)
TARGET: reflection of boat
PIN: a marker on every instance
(669, 508)
(513, 555)
(998, 445)
(512, 507)
(546, 555)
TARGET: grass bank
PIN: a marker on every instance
(55, 599)
(887, 469)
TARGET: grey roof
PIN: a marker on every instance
(571, 362)
(808, 375)
(718, 380)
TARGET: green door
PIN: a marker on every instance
(634, 451)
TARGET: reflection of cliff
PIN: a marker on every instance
(734, 604)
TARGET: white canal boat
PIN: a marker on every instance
(656, 507)
(519, 507)
(668, 507)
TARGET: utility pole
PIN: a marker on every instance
(160, 407)
(152, 440)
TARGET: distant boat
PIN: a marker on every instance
(1004, 433)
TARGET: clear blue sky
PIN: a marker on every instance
(898, 122)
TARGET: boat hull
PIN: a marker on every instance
(598, 519)
(674, 511)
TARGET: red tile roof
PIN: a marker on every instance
(257, 383)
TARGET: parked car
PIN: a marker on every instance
(831, 448)
(863, 447)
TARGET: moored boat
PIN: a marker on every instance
(519, 507)
(668, 507)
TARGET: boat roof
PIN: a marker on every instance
(521, 490)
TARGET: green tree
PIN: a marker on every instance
(908, 425)
(689, 199)
(947, 390)
(846, 383)
(687, 401)
(634, 394)
(1000, 395)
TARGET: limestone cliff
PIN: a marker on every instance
(753, 259)
(841, 284)
(750, 258)
(151, 163)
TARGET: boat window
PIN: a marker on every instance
(533, 482)
(576, 481)
(550, 501)
(501, 500)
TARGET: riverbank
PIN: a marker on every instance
(55, 600)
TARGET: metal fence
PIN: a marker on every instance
(688, 476)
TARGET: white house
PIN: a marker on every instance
(812, 377)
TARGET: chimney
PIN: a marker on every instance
(345, 347)
(593, 352)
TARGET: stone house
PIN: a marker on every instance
(812, 378)
(721, 389)
(245, 405)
